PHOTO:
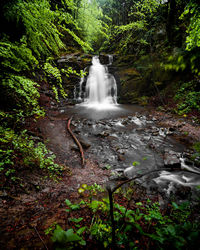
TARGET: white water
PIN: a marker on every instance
(101, 87)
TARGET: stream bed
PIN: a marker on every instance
(128, 141)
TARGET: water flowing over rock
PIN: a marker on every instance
(101, 87)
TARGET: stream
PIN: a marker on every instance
(125, 139)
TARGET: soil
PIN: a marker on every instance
(27, 214)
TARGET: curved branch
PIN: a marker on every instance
(77, 142)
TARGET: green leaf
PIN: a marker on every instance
(81, 230)
(71, 236)
(175, 206)
(135, 163)
(76, 220)
(68, 202)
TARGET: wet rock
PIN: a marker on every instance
(119, 170)
(146, 138)
(103, 134)
(155, 133)
(172, 129)
(102, 123)
(121, 151)
(104, 59)
(172, 159)
(121, 158)
(183, 192)
(125, 122)
(139, 129)
(74, 147)
(84, 142)
(117, 174)
(129, 172)
(111, 137)
(90, 123)
(77, 131)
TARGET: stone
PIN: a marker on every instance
(74, 147)
(121, 157)
(104, 134)
(84, 142)
(172, 160)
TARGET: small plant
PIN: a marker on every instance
(188, 98)
(67, 239)
(18, 151)
(132, 223)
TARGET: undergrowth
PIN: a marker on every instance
(19, 152)
(137, 225)
(188, 97)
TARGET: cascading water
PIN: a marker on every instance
(110, 57)
(101, 87)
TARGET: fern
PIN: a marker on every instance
(42, 35)
(16, 57)
(22, 92)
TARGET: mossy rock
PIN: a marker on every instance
(129, 97)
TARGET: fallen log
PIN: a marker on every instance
(77, 142)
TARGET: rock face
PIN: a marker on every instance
(77, 61)
(138, 77)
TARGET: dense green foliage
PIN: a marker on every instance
(20, 151)
(134, 223)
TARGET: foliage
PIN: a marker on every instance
(132, 223)
(23, 93)
(90, 21)
(16, 57)
(67, 239)
(188, 97)
(55, 75)
(18, 151)
(35, 30)
(41, 34)
(132, 34)
(193, 11)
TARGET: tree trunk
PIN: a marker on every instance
(171, 20)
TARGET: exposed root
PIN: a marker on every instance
(77, 142)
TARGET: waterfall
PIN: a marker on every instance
(110, 57)
(101, 87)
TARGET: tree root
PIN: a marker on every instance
(77, 142)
